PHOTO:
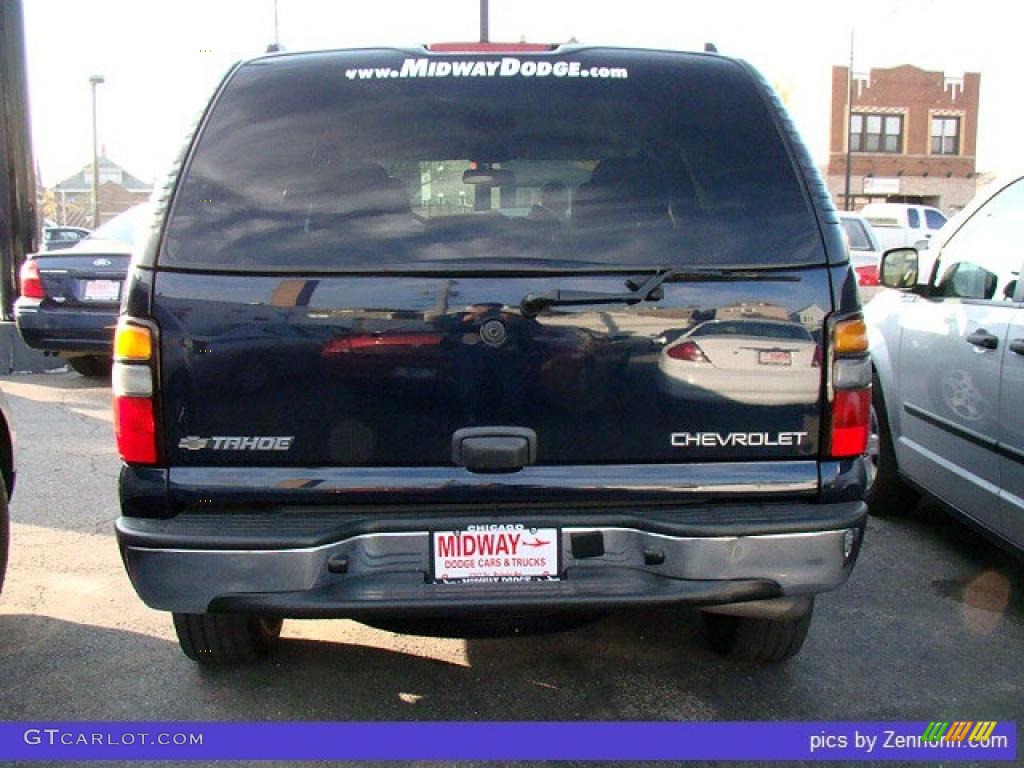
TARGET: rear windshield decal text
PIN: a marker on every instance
(506, 67)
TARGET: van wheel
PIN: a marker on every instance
(887, 494)
(221, 639)
(91, 366)
(746, 638)
(5, 532)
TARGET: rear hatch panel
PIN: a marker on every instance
(360, 371)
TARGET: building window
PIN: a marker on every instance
(876, 133)
(945, 135)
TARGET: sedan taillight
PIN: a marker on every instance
(688, 351)
(31, 280)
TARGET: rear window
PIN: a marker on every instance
(123, 228)
(386, 160)
(857, 234)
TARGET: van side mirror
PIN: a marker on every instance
(899, 269)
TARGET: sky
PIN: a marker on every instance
(161, 60)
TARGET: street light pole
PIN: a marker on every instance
(95, 80)
(847, 203)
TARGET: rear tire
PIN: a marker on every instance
(745, 638)
(888, 495)
(222, 639)
(5, 532)
(91, 366)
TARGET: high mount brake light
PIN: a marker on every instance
(490, 47)
(31, 280)
(850, 417)
(135, 424)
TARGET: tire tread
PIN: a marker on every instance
(216, 640)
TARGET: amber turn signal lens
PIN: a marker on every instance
(850, 337)
(132, 342)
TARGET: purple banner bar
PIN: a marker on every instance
(65, 741)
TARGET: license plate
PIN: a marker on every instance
(774, 357)
(102, 290)
(495, 554)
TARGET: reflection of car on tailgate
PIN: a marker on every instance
(70, 298)
(758, 362)
(478, 434)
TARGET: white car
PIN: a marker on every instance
(865, 252)
(741, 360)
(903, 225)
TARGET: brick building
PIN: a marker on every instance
(913, 136)
(118, 192)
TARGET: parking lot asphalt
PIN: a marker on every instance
(929, 627)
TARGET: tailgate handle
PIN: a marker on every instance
(494, 449)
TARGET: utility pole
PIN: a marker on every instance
(94, 81)
(19, 227)
(484, 22)
(847, 203)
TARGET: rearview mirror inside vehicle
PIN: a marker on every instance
(899, 269)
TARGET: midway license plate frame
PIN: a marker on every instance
(448, 566)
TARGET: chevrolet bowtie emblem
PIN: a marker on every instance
(193, 443)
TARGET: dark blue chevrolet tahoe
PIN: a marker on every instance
(468, 332)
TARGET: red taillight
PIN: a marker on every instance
(850, 418)
(687, 351)
(867, 275)
(31, 281)
(135, 428)
(818, 359)
(851, 422)
(132, 384)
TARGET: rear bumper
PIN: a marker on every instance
(66, 329)
(385, 570)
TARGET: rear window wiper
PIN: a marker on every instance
(649, 290)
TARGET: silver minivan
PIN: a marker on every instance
(948, 354)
